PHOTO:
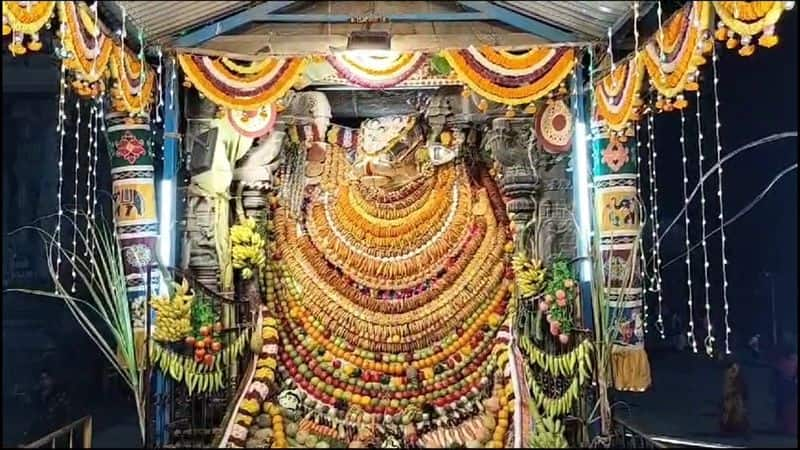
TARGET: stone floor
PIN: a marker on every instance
(685, 398)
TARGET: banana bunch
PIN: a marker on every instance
(528, 274)
(173, 316)
(548, 433)
(248, 248)
(576, 364)
(198, 377)
(579, 359)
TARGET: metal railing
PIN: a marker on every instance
(65, 437)
(627, 436)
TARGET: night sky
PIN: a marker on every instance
(758, 97)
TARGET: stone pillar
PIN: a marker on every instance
(618, 228)
(510, 140)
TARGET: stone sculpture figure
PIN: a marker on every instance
(510, 141)
(556, 225)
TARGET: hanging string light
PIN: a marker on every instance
(75, 192)
(61, 130)
(639, 195)
(709, 340)
(654, 220)
(89, 164)
(717, 126)
(690, 334)
(97, 120)
(610, 51)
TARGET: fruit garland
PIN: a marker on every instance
(247, 248)
(511, 79)
(89, 49)
(685, 39)
(618, 95)
(376, 72)
(339, 357)
(130, 92)
(261, 387)
(748, 19)
(198, 377)
(268, 81)
(26, 18)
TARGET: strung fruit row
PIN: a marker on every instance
(399, 205)
(397, 300)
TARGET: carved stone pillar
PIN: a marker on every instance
(555, 223)
(199, 244)
(510, 140)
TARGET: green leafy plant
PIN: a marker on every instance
(101, 272)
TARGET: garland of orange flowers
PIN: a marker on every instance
(128, 92)
(747, 19)
(685, 40)
(500, 77)
(26, 18)
(241, 88)
(88, 58)
(374, 72)
(617, 95)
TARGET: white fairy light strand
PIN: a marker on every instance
(98, 113)
(88, 197)
(75, 193)
(690, 333)
(654, 219)
(717, 126)
(60, 129)
(709, 340)
(638, 148)
(610, 51)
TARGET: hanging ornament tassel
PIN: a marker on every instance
(747, 47)
(530, 109)
(680, 102)
(510, 111)
(483, 105)
(768, 38)
(721, 33)
(34, 44)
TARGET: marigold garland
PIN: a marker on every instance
(376, 72)
(683, 44)
(26, 18)
(265, 82)
(617, 95)
(747, 19)
(484, 73)
(129, 94)
(89, 48)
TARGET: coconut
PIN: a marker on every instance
(322, 444)
(291, 429)
(301, 436)
(474, 444)
(492, 405)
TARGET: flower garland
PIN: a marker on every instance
(26, 18)
(747, 19)
(89, 49)
(618, 95)
(376, 72)
(264, 83)
(128, 92)
(511, 79)
(685, 40)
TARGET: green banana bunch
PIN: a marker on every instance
(548, 433)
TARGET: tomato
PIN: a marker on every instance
(216, 346)
(200, 353)
(190, 341)
(208, 360)
(208, 341)
(200, 344)
(204, 331)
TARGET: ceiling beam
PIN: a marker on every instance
(519, 21)
(344, 18)
(245, 17)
